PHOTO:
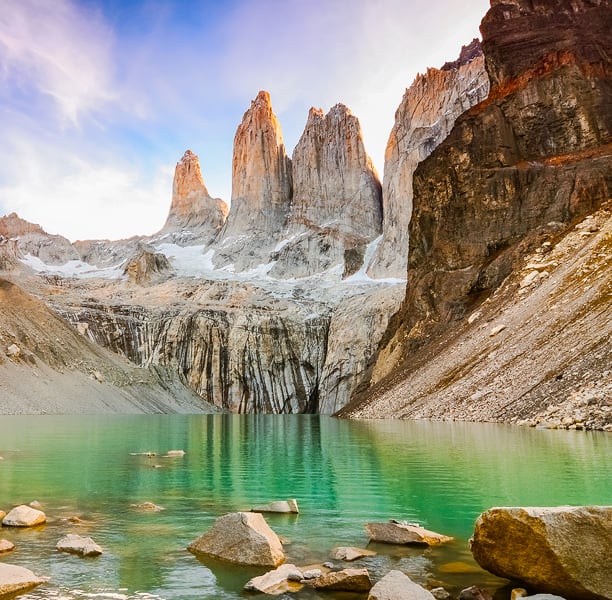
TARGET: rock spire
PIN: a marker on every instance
(192, 207)
(261, 188)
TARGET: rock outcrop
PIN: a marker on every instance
(336, 208)
(536, 151)
(261, 189)
(241, 538)
(194, 214)
(561, 550)
(147, 266)
(424, 118)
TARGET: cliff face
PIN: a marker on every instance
(193, 210)
(518, 167)
(336, 207)
(261, 189)
(424, 118)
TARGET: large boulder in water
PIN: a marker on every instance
(24, 516)
(241, 538)
(15, 579)
(562, 550)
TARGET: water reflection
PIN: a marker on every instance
(342, 473)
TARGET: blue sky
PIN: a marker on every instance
(100, 98)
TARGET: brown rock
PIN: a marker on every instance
(15, 579)
(396, 585)
(146, 267)
(524, 157)
(474, 593)
(424, 118)
(24, 516)
(241, 538)
(396, 532)
(192, 207)
(562, 550)
(348, 580)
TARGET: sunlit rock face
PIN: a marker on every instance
(261, 189)
(536, 151)
(424, 118)
(336, 208)
(192, 208)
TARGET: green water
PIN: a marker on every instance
(342, 473)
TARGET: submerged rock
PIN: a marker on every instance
(76, 544)
(241, 538)
(279, 506)
(15, 579)
(474, 593)
(562, 550)
(24, 516)
(396, 532)
(396, 585)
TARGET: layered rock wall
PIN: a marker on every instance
(537, 151)
(424, 118)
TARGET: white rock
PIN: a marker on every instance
(395, 585)
(276, 582)
(24, 516)
(16, 579)
(279, 506)
(75, 544)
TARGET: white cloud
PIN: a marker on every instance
(58, 50)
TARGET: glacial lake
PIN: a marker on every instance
(342, 473)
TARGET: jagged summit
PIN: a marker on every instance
(468, 54)
(193, 212)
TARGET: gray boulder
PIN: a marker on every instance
(14, 579)
(241, 538)
(24, 516)
(562, 550)
(75, 544)
(396, 585)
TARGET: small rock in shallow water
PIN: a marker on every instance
(17, 579)
(279, 506)
(6, 546)
(474, 593)
(285, 578)
(75, 544)
(440, 593)
(397, 532)
(147, 507)
(349, 553)
(348, 580)
(24, 516)
(396, 585)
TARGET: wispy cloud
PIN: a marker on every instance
(59, 50)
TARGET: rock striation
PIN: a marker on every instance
(536, 151)
(193, 212)
(424, 118)
(261, 189)
(560, 550)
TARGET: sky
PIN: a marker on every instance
(99, 99)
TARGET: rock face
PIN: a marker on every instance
(15, 579)
(424, 118)
(76, 544)
(241, 538)
(24, 516)
(396, 585)
(396, 532)
(562, 550)
(536, 151)
(192, 207)
(336, 207)
(147, 266)
(261, 189)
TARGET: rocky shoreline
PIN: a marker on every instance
(563, 551)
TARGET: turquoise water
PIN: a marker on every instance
(342, 473)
